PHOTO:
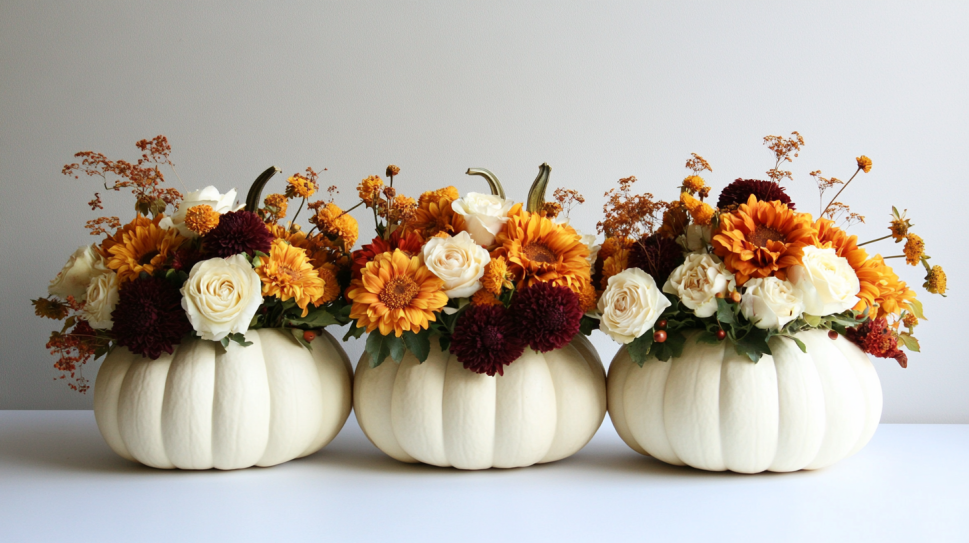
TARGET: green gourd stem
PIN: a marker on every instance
(536, 195)
(496, 188)
(255, 192)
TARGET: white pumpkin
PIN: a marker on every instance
(544, 408)
(716, 410)
(207, 407)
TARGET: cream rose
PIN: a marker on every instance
(210, 196)
(459, 261)
(696, 238)
(75, 277)
(485, 215)
(826, 282)
(630, 305)
(697, 282)
(101, 298)
(221, 295)
(770, 302)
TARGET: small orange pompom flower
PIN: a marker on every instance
(201, 219)
(864, 163)
(914, 249)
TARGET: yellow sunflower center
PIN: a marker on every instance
(398, 292)
(763, 234)
(538, 252)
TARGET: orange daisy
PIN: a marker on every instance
(761, 239)
(893, 294)
(142, 249)
(540, 250)
(395, 293)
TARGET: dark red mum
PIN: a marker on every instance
(876, 338)
(238, 232)
(656, 255)
(484, 339)
(740, 190)
(149, 318)
(546, 316)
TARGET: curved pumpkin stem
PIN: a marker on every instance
(496, 188)
(255, 191)
(536, 195)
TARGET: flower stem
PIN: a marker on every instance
(874, 240)
(843, 187)
(300, 208)
(896, 256)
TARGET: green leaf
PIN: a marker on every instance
(397, 348)
(354, 332)
(753, 344)
(238, 338)
(725, 311)
(812, 320)
(910, 342)
(419, 344)
(710, 338)
(377, 348)
(640, 347)
(225, 342)
(587, 325)
(318, 318)
(675, 341)
(800, 344)
(917, 309)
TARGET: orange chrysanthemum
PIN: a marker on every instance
(484, 297)
(613, 265)
(369, 189)
(496, 276)
(143, 249)
(201, 219)
(830, 236)
(395, 293)
(694, 184)
(288, 275)
(276, 204)
(893, 294)
(298, 186)
(540, 250)
(331, 286)
(332, 221)
(761, 239)
(434, 214)
(701, 212)
(588, 297)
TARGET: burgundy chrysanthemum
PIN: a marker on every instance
(546, 317)
(186, 257)
(740, 190)
(484, 339)
(876, 338)
(238, 232)
(656, 255)
(149, 318)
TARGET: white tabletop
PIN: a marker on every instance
(60, 482)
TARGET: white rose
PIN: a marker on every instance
(826, 281)
(696, 238)
(485, 215)
(210, 196)
(770, 302)
(697, 282)
(459, 261)
(630, 305)
(81, 268)
(102, 297)
(221, 295)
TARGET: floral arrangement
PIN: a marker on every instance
(484, 276)
(752, 267)
(210, 269)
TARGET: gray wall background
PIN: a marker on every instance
(598, 90)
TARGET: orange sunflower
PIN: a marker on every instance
(395, 293)
(288, 275)
(830, 236)
(540, 250)
(111, 241)
(434, 214)
(761, 239)
(143, 248)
